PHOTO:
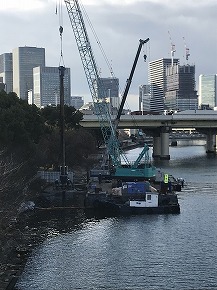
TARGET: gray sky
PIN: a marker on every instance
(119, 25)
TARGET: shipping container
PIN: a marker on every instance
(135, 187)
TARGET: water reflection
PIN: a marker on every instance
(138, 252)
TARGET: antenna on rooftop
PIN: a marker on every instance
(187, 54)
(173, 49)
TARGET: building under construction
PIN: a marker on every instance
(180, 92)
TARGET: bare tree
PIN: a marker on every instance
(12, 194)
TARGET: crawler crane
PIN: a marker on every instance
(108, 126)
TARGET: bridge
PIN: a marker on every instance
(159, 126)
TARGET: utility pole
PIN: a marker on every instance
(63, 173)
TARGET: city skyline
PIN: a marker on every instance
(119, 27)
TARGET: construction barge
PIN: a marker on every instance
(130, 198)
(113, 197)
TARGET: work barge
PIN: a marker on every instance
(129, 197)
(101, 196)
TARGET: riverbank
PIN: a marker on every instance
(17, 242)
(27, 232)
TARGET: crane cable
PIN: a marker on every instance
(97, 40)
(104, 54)
(60, 10)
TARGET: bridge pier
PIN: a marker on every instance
(164, 135)
(161, 143)
(156, 146)
(211, 141)
(211, 138)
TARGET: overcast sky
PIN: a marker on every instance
(119, 25)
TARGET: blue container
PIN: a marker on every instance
(137, 187)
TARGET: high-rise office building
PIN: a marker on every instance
(6, 71)
(77, 102)
(157, 81)
(109, 89)
(24, 60)
(46, 88)
(144, 98)
(208, 90)
(180, 92)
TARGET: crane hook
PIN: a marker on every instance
(61, 30)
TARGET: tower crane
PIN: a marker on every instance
(107, 125)
(173, 49)
(187, 54)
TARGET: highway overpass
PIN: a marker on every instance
(198, 119)
(159, 126)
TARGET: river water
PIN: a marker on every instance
(153, 252)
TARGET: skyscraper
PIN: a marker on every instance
(208, 90)
(46, 88)
(77, 102)
(157, 81)
(180, 88)
(144, 98)
(24, 60)
(6, 71)
(109, 88)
